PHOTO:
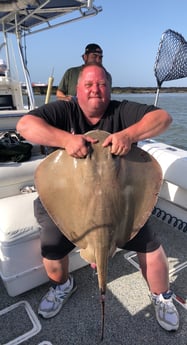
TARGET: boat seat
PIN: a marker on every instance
(21, 267)
(20, 260)
(14, 177)
(172, 160)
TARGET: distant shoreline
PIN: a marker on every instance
(41, 90)
(119, 90)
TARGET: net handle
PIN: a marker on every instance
(156, 97)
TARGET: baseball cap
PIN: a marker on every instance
(93, 48)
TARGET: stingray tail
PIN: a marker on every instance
(102, 263)
(102, 300)
(102, 313)
(99, 261)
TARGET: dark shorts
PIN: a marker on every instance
(54, 245)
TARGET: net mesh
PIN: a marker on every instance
(171, 60)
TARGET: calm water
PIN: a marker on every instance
(174, 103)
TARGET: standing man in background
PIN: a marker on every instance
(67, 87)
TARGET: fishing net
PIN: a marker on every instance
(171, 60)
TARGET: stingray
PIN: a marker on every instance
(99, 202)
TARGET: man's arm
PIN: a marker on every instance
(62, 91)
(61, 96)
(40, 132)
(62, 87)
(151, 125)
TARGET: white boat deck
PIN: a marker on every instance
(129, 315)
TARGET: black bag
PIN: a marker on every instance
(12, 148)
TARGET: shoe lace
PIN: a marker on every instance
(51, 295)
(165, 303)
(55, 294)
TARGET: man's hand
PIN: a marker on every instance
(78, 146)
(120, 143)
(65, 98)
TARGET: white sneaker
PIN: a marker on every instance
(55, 298)
(166, 313)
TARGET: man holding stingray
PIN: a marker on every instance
(63, 125)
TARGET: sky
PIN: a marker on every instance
(129, 32)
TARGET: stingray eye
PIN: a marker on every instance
(88, 144)
(90, 149)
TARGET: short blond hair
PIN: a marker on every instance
(93, 64)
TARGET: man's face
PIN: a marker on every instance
(93, 92)
(93, 57)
